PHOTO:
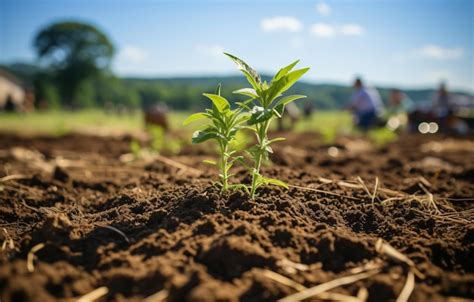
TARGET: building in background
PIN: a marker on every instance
(14, 95)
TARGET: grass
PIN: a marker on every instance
(382, 136)
(329, 123)
(62, 122)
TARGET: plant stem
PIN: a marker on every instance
(262, 134)
(224, 159)
(255, 175)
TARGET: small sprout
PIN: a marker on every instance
(94, 295)
(265, 105)
(135, 148)
(222, 126)
(8, 241)
(31, 257)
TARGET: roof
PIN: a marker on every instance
(11, 77)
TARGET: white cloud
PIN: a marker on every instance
(352, 29)
(433, 52)
(322, 30)
(213, 50)
(132, 54)
(281, 23)
(325, 30)
(323, 8)
(440, 53)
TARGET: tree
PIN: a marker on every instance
(46, 92)
(77, 52)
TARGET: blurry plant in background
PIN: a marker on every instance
(162, 143)
(382, 136)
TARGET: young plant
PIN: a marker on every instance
(267, 105)
(222, 126)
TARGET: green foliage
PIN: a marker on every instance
(265, 105)
(135, 148)
(160, 142)
(46, 92)
(85, 95)
(382, 136)
(76, 52)
(222, 126)
(110, 91)
(157, 138)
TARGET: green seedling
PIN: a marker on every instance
(162, 143)
(222, 126)
(266, 104)
(135, 148)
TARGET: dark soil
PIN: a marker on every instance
(141, 227)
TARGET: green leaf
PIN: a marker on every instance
(252, 76)
(218, 89)
(248, 92)
(241, 118)
(239, 186)
(278, 110)
(194, 117)
(291, 98)
(275, 182)
(245, 104)
(279, 107)
(282, 72)
(209, 162)
(259, 115)
(203, 135)
(284, 83)
(221, 103)
(278, 139)
(253, 151)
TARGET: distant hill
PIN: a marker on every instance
(186, 92)
(324, 96)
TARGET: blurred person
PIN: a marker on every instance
(399, 102)
(399, 108)
(441, 101)
(366, 105)
(441, 105)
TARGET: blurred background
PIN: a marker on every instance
(82, 64)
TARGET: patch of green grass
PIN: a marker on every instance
(329, 124)
(382, 136)
(62, 122)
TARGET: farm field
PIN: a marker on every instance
(93, 120)
(82, 216)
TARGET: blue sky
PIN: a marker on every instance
(396, 43)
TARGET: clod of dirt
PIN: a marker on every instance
(230, 257)
(60, 174)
